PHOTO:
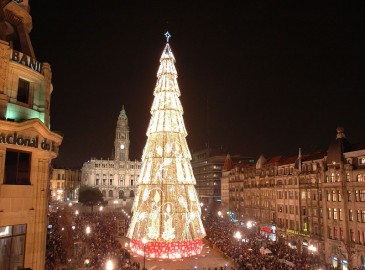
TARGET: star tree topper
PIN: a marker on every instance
(167, 35)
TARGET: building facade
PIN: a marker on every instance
(313, 202)
(116, 178)
(208, 165)
(64, 185)
(27, 145)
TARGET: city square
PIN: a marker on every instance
(181, 136)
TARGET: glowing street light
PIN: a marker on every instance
(220, 214)
(144, 241)
(88, 230)
(249, 224)
(109, 265)
(100, 208)
(237, 235)
(77, 212)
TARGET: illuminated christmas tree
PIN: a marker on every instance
(166, 219)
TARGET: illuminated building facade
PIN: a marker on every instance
(27, 145)
(64, 184)
(116, 178)
(313, 202)
(207, 167)
(166, 220)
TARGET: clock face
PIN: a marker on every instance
(122, 146)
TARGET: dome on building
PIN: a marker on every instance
(339, 146)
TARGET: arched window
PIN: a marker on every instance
(104, 193)
(110, 193)
(132, 194)
(121, 194)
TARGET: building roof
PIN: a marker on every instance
(228, 164)
(337, 147)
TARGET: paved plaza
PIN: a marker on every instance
(208, 258)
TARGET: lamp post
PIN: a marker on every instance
(109, 265)
(144, 241)
(238, 236)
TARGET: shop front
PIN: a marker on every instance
(268, 231)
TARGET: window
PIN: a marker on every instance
(328, 196)
(362, 160)
(334, 195)
(332, 177)
(340, 214)
(334, 214)
(12, 243)
(329, 213)
(352, 235)
(339, 196)
(360, 195)
(17, 168)
(23, 91)
(349, 196)
(351, 215)
(361, 178)
(110, 182)
(348, 177)
(110, 193)
(363, 216)
(358, 216)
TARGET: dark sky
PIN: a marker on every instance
(258, 77)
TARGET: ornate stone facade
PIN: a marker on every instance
(116, 178)
(27, 146)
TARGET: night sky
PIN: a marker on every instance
(259, 77)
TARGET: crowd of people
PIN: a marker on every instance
(86, 240)
(245, 250)
(70, 245)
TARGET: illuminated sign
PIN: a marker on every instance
(26, 60)
(16, 139)
(295, 232)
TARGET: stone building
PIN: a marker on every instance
(27, 145)
(207, 167)
(64, 185)
(313, 202)
(116, 178)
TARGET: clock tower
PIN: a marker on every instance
(121, 143)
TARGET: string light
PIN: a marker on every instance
(166, 209)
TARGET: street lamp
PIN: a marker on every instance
(109, 265)
(237, 235)
(88, 230)
(144, 241)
